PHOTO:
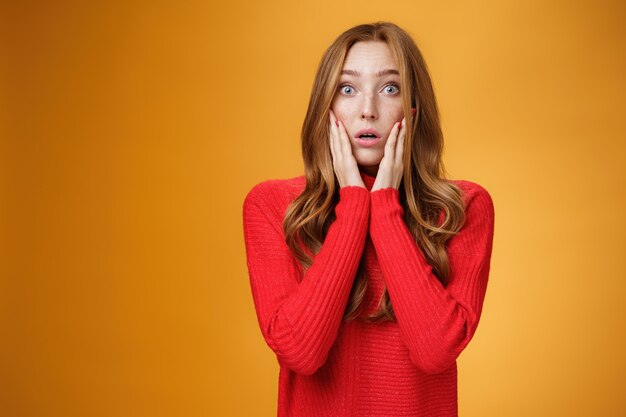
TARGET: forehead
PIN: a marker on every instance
(369, 56)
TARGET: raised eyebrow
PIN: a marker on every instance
(378, 74)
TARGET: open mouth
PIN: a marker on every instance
(368, 136)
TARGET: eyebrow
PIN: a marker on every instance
(378, 74)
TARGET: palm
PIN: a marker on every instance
(390, 168)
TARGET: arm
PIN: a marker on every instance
(436, 322)
(300, 320)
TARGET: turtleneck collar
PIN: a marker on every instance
(368, 180)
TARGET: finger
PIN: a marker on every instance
(344, 140)
(400, 145)
(390, 146)
(332, 118)
(335, 130)
(330, 138)
(332, 130)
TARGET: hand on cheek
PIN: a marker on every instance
(391, 168)
(344, 163)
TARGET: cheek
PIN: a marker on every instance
(398, 114)
(339, 115)
(394, 113)
(344, 108)
(339, 110)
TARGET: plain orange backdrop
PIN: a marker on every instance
(131, 132)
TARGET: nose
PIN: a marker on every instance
(368, 109)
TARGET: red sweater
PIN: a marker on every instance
(331, 367)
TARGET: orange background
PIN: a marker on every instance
(131, 132)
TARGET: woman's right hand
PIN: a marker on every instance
(344, 163)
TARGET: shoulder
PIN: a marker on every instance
(476, 234)
(476, 198)
(474, 195)
(274, 194)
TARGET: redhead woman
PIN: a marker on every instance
(369, 272)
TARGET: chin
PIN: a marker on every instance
(368, 164)
(373, 154)
(368, 160)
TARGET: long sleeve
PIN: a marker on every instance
(436, 322)
(300, 320)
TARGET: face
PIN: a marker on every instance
(368, 97)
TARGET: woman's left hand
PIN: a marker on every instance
(391, 167)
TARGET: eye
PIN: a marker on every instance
(392, 89)
(346, 89)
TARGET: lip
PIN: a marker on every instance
(367, 131)
(367, 142)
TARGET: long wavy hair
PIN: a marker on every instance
(425, 194)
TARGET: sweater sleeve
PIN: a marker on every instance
(300, 320)
(436, 322)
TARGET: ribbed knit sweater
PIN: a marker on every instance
(332, 367)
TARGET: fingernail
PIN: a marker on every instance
(400, 125)
(413, 111)
(337, 123)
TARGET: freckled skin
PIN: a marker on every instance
(369, 101)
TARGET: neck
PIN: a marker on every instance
(370, 170)
(368, 175)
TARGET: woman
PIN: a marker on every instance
(369, 272)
